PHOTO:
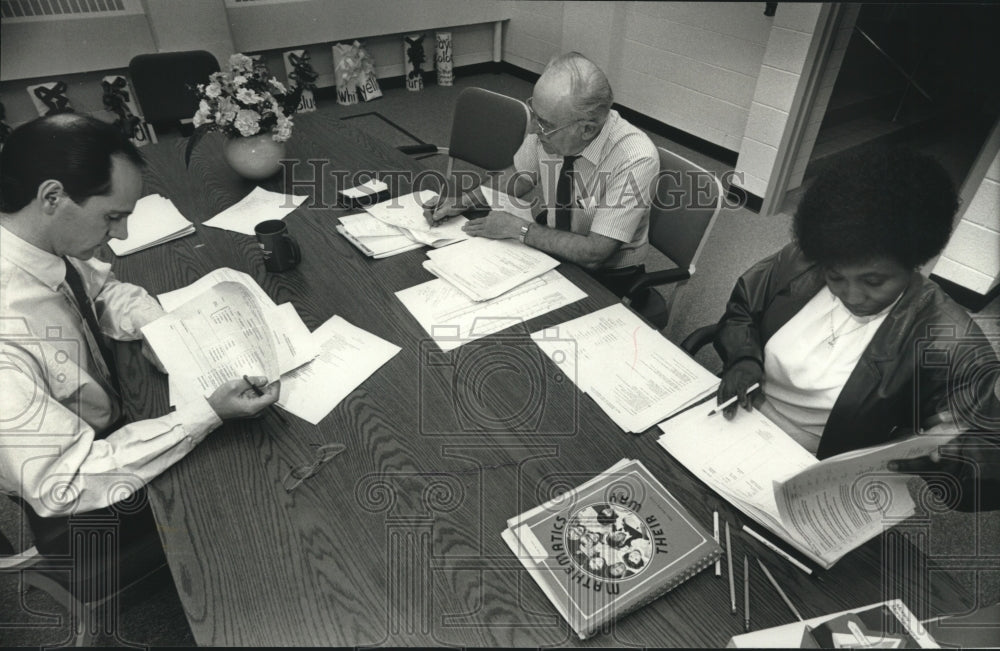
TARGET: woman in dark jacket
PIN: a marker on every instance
(851, 345)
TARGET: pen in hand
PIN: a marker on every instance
(726, 403)
(259, 393)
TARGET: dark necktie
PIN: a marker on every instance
(75, 283)
(564, 194)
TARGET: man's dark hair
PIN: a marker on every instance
(73, 149)
(879, 202)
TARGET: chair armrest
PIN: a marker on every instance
(699, 338)
(655, 278)
(426, 148)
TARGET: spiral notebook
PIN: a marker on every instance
(610, 546)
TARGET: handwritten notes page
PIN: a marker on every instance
(347, 356)
(483, 269)
(822, 508)
(154, 220)
(632, 372)
(451, 318)
(260, 205)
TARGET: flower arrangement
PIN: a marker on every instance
(352, 67)
(244, 101)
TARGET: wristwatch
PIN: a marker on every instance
(524, 232)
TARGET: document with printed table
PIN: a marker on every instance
(451, 318)
(482, 268)
(223, 327)
(824, 509)
(347, 356)
(154, 220)
(610, 546)
(636, 375)
(886, 625)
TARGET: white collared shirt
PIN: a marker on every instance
(51, 400)
(808, 361)
(612, 186)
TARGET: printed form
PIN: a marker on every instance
(632, 372)
(451, 318)
(347, 356)
(482, 268)
(824, 509)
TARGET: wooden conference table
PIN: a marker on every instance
(397, 540)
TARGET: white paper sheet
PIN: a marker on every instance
(260, 205)
(451, 318)
(482, 268)
(502, 201)
(171, 300)
(348, 355)
(374, 186)
(154, 220)
(634, 374)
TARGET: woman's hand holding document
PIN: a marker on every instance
(824, 509)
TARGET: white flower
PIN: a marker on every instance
(202, 117)
(278, 86)
(239, 80)
(248, 96)
(247, 122)
(282, 130)
(213, 90)
(240, 62)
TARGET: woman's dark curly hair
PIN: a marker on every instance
(876, 203)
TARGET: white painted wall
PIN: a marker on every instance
(972, 257)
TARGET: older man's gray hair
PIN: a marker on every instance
(590, 92)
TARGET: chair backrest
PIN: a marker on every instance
(163, 82)
(487, 129)
(686, 201)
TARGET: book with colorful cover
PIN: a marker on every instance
(610, 546)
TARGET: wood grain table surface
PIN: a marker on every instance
(397, 540)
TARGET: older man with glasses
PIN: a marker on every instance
(595, 172)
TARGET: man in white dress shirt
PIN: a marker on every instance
(67, 186)
(595, 172)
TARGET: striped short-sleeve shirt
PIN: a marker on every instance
(612, 182)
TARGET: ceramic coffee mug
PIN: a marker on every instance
(281, 252)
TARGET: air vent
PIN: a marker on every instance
(40, 10)
(257, 3)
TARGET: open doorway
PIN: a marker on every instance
(919, 74)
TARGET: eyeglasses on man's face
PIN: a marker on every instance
(544, 129)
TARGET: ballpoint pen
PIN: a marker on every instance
(746, 594)
(258, 392)
(726, 403)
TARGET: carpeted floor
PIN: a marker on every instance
(151, 614)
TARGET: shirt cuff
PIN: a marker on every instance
(198, 418)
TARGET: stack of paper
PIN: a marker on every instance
(258, 206)
(632, 372)
(451, 318)
(406, 213)
(154, 220)
(374, 238)
(482, 268)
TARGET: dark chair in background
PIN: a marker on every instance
(99, 562)
(487, 131)
(687, 199)
(163, 83)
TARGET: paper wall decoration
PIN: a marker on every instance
(50, 98)
(120, 100)
(444, 59)
(298, 67)
(413, 51)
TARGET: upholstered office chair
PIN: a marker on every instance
(164, 81)
(486, 131)
(687, 199)
(83, 582)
